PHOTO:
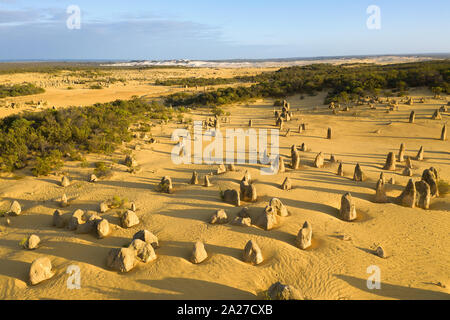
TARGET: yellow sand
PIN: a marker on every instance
(417, 241)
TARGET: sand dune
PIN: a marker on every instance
(417, 241)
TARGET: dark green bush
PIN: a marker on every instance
(102, 169)
(344, 83)
(99, 128)
(48, 163)
(19, 90)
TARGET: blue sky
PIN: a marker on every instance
(200, 29)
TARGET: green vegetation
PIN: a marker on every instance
(194, 82)
(23, 242)
(99, 128)
(102, 169)
(344, 83)
(48, 163)
(19, 90)
(47, 135)
(117, 202)
(96, 87)
(87, 69)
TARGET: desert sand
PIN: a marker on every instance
(417, 241)
(136, 83)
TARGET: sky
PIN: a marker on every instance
(211, 29)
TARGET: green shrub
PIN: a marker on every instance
(217, 111)
(102, 169)
(117, 202)
(19, 90)
(48, 163)
(99, 128)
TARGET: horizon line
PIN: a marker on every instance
(430, 54)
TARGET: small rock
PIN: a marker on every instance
(401, 153)
(166, 185)
(248, 192)
(430, 177)
(207, 183)
(420, 154)
(220, 217)
(407, 172)
(287, 184)
(340, 171)
(32, 242)
(102, 228)
(279, 291)
(423, 194)
(346, 237)
(65, 181)
(380, 195)
(295, 158)
(93, 178)
(40, 270)
(348, 208)
(199, 253)
(358, 174)
(64, 202)
(221, 169)
(232, 196)
(60, 220)
(268, 219)
(390, 162)
(194, 179)
(130, 161)
(76, 219)
(408, 163)
(280, 208)
(121, 259)
(304, 236)
(319, 161)
(147, 237)
(381, 252)
(129, 219)
(252, 253)
(104, 207)
(247, 177)
(143, 250)
(408, 196)
(244, 213)
(243, 222)
(15, 209)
